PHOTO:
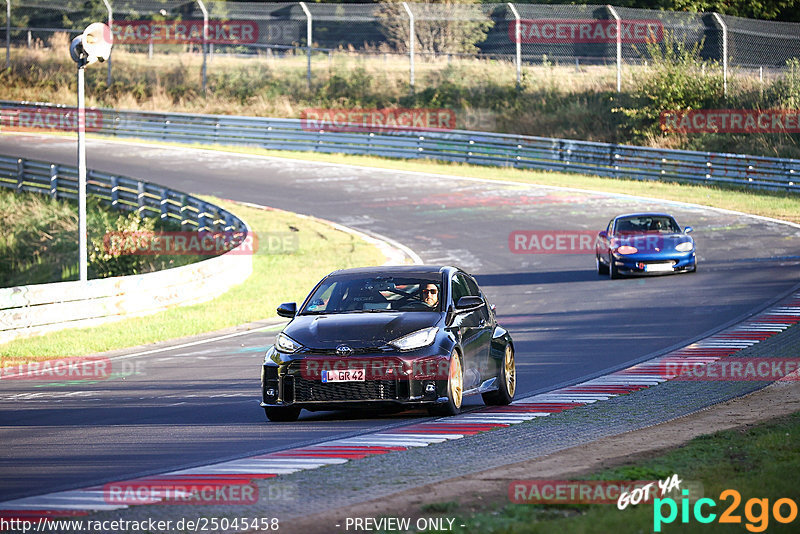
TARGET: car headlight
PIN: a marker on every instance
(627, 249)
(286, 344)
(416, 340)
(686, 246)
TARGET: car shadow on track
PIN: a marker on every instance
(538, 278)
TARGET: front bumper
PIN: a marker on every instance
(389, 381)
(639, 264)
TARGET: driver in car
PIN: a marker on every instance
(430, 294)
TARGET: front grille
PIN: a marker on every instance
(313, 390)
(356, 351)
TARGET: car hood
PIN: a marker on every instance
(358, 330)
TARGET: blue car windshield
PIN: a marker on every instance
(647, 224)
(374, 294)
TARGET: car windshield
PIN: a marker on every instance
(374, 294)
(647, 224)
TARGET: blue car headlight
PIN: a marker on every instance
(686, 246)
(627, 249)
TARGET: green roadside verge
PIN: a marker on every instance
(759, 462)
(280, 274)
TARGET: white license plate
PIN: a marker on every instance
(658, 267)
(344, 375)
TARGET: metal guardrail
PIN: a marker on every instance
(36, 309)
(149, 200)
(480, 148)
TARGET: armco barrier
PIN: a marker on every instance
(40, 308)
(481, 148)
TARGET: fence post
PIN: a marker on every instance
(111, 29)
(619, 45)
(164, 202)
(20, 174)
(8, 34)
(184, 208)
(411, 39)
(140, 199)
(114, 191)
(724, 27)
(518, 39)
(205, 39)
(54, 182)
(309, 34)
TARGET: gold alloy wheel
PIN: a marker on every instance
(456, 380)
(510, 371)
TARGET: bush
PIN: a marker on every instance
(677, 80)
(103, 261)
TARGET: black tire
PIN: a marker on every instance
(613, 273)
(507, 381)
(695, 268)
(282, 414)
(455, 389)
(602, 268)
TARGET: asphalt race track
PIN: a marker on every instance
(197, 404)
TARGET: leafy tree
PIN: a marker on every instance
(441, 27)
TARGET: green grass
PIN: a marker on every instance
(757, 461)
(37, 244)
(276, 278)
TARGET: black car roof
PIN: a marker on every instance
(404, 270)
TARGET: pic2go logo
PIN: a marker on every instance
(756, 511)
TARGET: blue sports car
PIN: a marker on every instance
(644, 244)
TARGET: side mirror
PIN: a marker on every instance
(467, 302)
(688, 230)
(603, 235)
(287, 309)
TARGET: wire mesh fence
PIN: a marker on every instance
(528, 35)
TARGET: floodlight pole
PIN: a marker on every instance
(93, 45)
(619, 46)
(205, 38)
(309, 35)
(518, 39)
(82, 238)
(724, 28)
(8, 34)
(111, 29)
(411, 39)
